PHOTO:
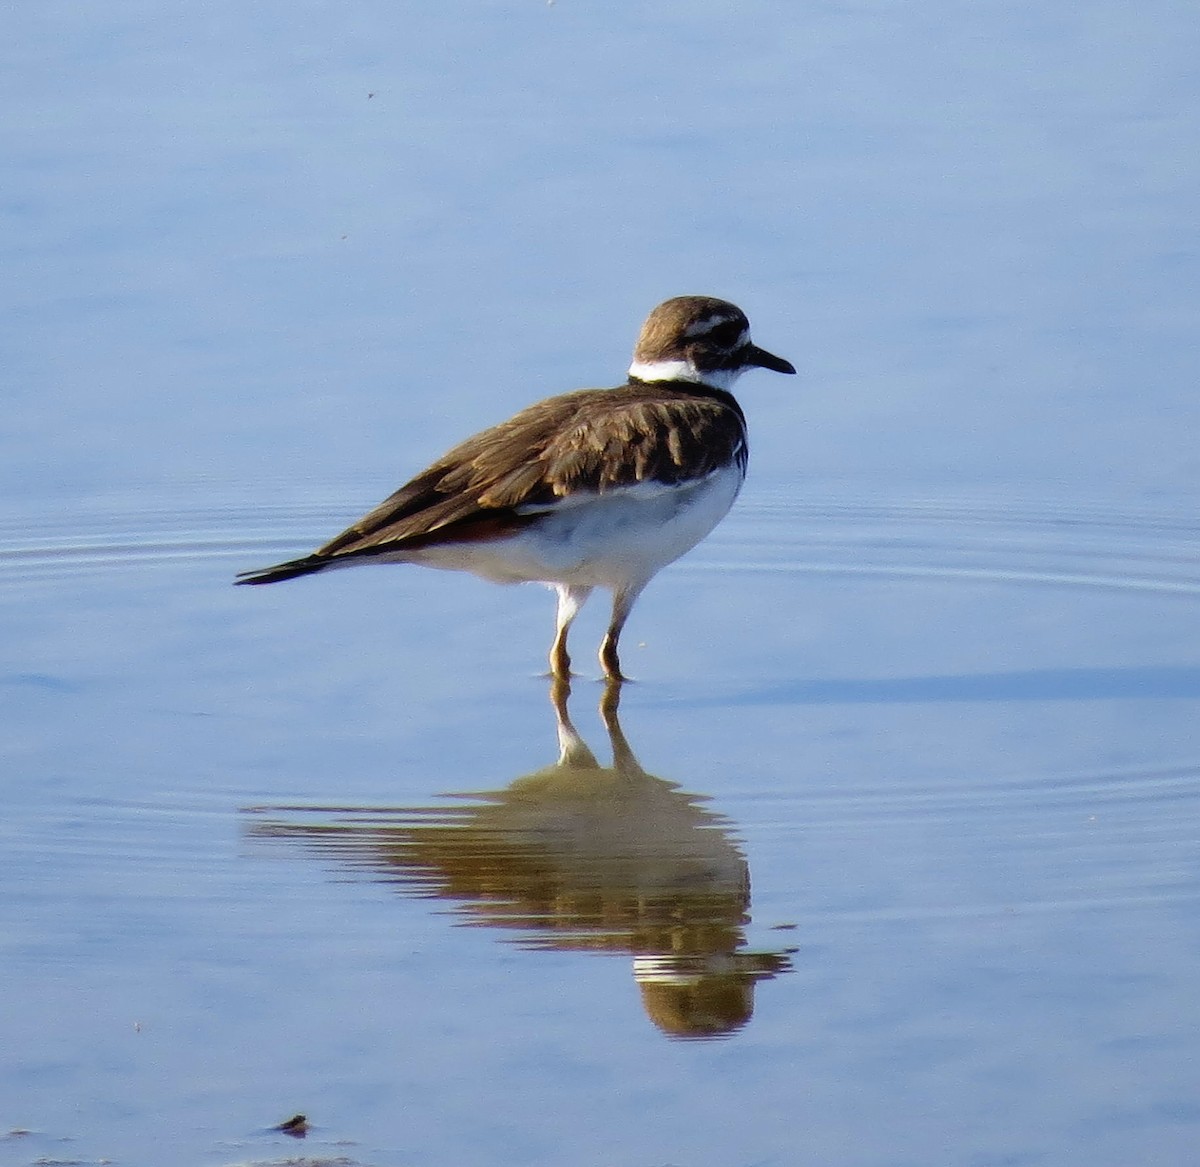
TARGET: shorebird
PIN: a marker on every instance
(599, 488)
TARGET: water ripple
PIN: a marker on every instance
(1077, 543)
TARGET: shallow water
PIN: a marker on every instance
(888, 856)
(898, 833)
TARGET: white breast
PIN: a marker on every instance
(610, 540)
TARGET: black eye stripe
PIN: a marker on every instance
(725, 334)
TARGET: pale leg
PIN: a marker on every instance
(623, 601)
(570, 600)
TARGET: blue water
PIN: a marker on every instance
(896, 862)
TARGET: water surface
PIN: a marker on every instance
(891, 832)
(889, 854)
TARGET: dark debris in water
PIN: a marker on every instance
(304, 1161)
(296, 1126)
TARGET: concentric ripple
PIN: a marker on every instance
(1074, 543)
(68, 545)
(1116, 841)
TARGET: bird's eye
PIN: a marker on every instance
(725, 334)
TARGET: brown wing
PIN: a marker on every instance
(593, 440)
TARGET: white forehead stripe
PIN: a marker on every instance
(707, 324)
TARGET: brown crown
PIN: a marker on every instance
(691, 327)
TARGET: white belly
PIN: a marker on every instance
(605, 540)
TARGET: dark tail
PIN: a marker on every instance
(290, 570)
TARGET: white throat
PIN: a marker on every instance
(683, 371)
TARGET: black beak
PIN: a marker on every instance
(765, 360)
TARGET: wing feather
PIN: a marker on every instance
(590, 441)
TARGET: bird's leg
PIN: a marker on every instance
(623, 600)
(573, 751)
(610, 701)
(624, 761)
(570, 599)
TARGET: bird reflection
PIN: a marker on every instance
(576, 856)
